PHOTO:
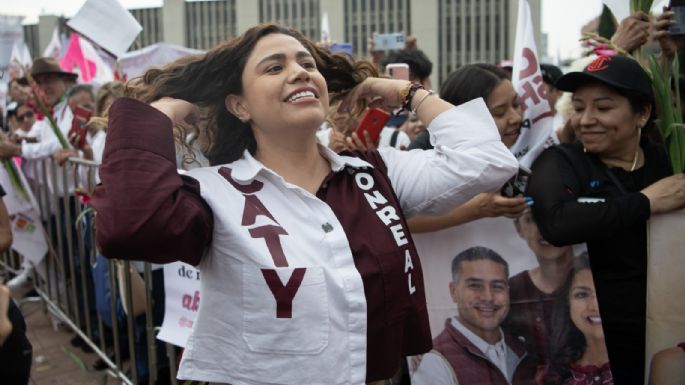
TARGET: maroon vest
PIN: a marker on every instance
(393, 281)
(471, 366)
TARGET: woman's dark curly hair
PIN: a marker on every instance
(206, 79)
(568, 342)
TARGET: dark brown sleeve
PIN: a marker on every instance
(145, 209)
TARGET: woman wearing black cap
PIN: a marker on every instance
(602, 190)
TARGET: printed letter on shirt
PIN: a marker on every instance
(375, 199)
(271, 235)
(251, 188)
(284, 294)
(387, 214)
(409, 265)
(398, 233)
(253, 208)
(364, 181)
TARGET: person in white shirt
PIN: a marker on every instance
(53, 83)
(309, 274)
(473, 349)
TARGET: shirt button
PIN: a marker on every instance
(538, 319)
(327, 227)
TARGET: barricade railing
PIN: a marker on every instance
(91, 304)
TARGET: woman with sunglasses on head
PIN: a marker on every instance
(602, 190)
(309, 274)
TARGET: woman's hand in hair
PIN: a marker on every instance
(177, 110)
(667, 194)
(387, 92)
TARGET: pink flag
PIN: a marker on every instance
(81, 57)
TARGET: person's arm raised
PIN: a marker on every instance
(145, 208)
(469, 157)
(392, 92)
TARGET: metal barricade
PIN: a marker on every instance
(68, 287)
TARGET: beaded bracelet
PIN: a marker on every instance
(407, 95)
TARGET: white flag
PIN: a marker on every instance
(28, 236)
(20, 60)
(11, 32)
(106, 23)
(54, 48)
(325, 29)
(135, 63)
(537, 129)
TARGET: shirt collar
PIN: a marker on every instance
(480, 343)
(247, 167)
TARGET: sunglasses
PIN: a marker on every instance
(26, 115)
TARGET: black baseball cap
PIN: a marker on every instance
(550, 73)
(616, 71)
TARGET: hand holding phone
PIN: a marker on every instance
(372, 122)
(388, 41)
(516, 186)
(678, 8)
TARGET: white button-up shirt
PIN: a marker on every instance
(283, 302)
(46, 144)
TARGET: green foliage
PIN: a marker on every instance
(640, 5)
(607, 25)
(669, 110)
(77, 360)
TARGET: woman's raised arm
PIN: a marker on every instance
(145, 209)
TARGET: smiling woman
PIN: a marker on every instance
(305, 255)
(579, 355)
(603, 190)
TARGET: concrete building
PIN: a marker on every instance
(450, 32)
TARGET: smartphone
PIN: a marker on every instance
(77, 133)
(398, 71)
(388, 41)
(373, 121)
(516, 186)
(678, 8)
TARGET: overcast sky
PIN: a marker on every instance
(561, 19)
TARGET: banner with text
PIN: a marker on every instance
(182, 300)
